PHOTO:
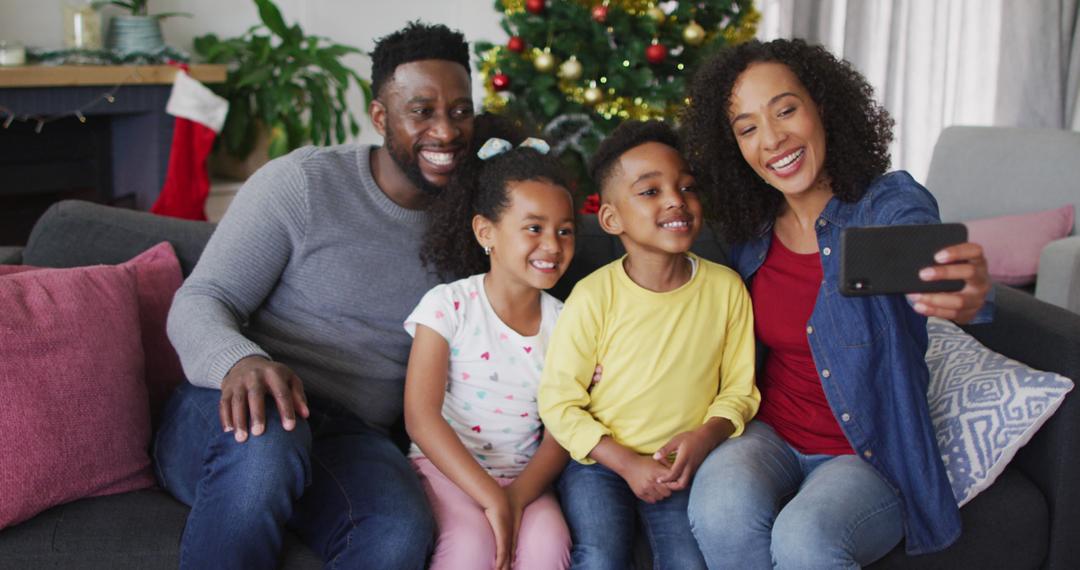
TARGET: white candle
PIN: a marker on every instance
(12, 53)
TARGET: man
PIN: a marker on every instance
(289, 330)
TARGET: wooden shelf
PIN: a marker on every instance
(86, 75)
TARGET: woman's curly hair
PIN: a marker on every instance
(480, 187)
(857, 132)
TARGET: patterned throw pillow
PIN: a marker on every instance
(984, 406)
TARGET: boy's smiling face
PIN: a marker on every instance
(650, 201)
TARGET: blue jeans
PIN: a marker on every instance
(601, 511)
(344, 487)
(841, 513)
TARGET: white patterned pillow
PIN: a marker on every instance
(984, 406)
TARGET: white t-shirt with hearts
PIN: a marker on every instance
(493, 376)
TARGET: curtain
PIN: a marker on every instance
(935, 63)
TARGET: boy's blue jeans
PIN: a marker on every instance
(344, 487)
(841, 513)
(601, 511)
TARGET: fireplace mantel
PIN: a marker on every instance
(102, 75)
(115, 150)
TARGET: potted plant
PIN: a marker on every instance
(138, 31)
(283, 86)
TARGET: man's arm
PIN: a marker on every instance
(238, 270)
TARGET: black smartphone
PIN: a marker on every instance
(878, 260)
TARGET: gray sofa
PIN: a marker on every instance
(1030, 518)
(986, 172)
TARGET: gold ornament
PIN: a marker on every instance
(512, 7)
(544, 62)
(570, 69)
(656, 14)
(593, 94)
(745, 30)
(693, 34)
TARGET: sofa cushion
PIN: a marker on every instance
(157, 277)
(984, 406)
(74, 420)
(1012, 244)
(139, 530)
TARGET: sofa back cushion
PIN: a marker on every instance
(74, 420)
(74, 233)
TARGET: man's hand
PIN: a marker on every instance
(244, 390)
(644, 476)
(965, 262)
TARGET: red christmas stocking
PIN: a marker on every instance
(200, 114)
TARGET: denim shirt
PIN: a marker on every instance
(870, 358)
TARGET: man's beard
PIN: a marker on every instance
(409, 165)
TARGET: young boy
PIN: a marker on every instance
(674, 335)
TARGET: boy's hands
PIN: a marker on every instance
(682, 456)
(685, 452)
(644, 476)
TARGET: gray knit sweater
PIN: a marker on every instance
(312, 266)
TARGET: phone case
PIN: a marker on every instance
(886, 259)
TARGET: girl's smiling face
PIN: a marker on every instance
(532, 243)
(778, 128)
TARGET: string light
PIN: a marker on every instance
(79, 113)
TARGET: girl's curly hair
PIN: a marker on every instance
(857, 132)
(480, 187)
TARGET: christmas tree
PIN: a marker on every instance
(577, 68)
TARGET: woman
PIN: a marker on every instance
(841, 462)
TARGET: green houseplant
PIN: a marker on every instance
(283, 82)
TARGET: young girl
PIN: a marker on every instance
(841, 462)
(479, 343)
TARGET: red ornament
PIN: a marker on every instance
(535, 6)
(591, 205)
(599, 13)
(516, 44)
(500, 81)
(656, 53)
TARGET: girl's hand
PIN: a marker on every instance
(966, 262)
(644, 475)
(501, 518)
(597, 373)
(518, 501)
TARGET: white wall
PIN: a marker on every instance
(38, 23)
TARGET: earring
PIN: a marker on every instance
(487, 250)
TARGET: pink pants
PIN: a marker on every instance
(465, 537)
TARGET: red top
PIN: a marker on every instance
(784, 291)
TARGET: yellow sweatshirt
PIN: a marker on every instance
(671, 360)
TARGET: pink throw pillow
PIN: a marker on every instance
(73, 417)
(157, 277)
(1012, 244)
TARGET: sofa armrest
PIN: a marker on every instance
(10, 255)
(1046, 337)
(1058, 282)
